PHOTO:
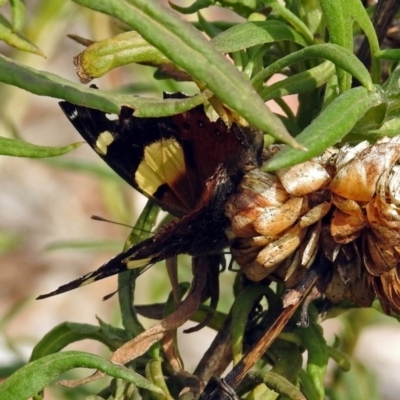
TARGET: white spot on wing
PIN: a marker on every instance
(74, 114)
(112, 117)
(103, 141)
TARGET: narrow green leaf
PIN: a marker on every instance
(341, 57)
(127, 280)
(392, 88)
(35, 376)
(194, 7)
(99, 170)
(334, 122)
(262, 392)
(359, 383)
(293, 19)
(185, 46)
(210, 28)
(279, 384)
(317, 360)
(361, 16)
(144, 225)
(339, 23)
(311, 14)
(243, 8)
(15, 39)
(18, 11)
(96, 246)
(243, 305)
(19, 148)
(154, 374)
(307, 386)
(300, 83)
(216, 322)
(359, 13)
(48, 84)
(68, 332)
(342, 359)
(389, 54)
(248, 34)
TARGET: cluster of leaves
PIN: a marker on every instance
(309, 42)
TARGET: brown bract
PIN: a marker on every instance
(344, 204)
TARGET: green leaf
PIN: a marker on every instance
(99, 170)
(35, 376)
(389, 54)
(342, 359)
(293, 19)
(331, 125)
(339, 24)
(68, 332)
(361, 16)
(194, 7)
(262, 392)
(154, 374)
(18, 11)
(127, 279)
(241, 309)
(248, 34)
(278, 384)
(341, 57)
(217, 320)
(303, 82)
(144, 225)
(307, 386)
(103, 56)
(317, 360)
(19, 148)
(185, 46)
(95, 246)
(15, 39)
(48, 84)
(211, 29)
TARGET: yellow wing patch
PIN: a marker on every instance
(103, 141)
(132, 264)
(162, 163)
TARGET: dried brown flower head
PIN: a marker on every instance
(344, 204)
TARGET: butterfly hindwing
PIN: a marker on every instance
(197, 234)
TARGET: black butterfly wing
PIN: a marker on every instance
(169, 159)
(199, 233)
(143, 151)
(186, 163)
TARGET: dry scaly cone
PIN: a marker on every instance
(344, 204)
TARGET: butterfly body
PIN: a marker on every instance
(186, 163)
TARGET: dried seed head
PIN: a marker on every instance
(344, 204)
(304, 178)
(280, 212)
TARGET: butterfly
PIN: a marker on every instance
(185, 163)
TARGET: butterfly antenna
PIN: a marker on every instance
(108, 296)
(146, 268)
(98, 218)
